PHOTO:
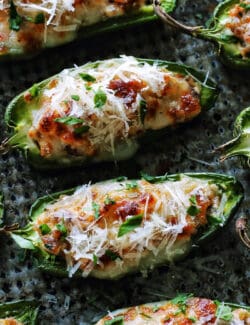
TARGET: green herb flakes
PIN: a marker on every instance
(39, 19)
(130, 224)
(100, 98)
(63, 230)
(15, 20)
(69, 120)
(193, 210)
(82, 129)
(75, 97)
(132, 185)
(45, 229)
(223, 311)
(95, 259)
(96, 209)
(109, 201)
(87, 77)
(115, 321)
(112, 255)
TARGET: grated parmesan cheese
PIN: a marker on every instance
(157, 234)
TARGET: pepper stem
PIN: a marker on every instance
(10, 228)
(171, 21)
(242, 230)
(4, 147)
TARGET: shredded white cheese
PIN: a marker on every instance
(157, 233)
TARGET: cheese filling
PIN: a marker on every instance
(92, 110)
(33, 24)
(237, 24)
(116, 224)
(181, 310)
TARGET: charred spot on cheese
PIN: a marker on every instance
(184, 309)
(126, 98)
(110, 226)
(236, 24)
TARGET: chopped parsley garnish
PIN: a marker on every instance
(39, 19)
(87, 77)
(81, 129)
(45, 229)
(132, 185)
(15, 20)
(100, 98)
(115, 321)
(95, 259)
(245, 6)
(69, 120)
(143, 110)
(96, 209)
(181, 302)
(193, 210)
(34, 90)
(193, 319)
(75, 97)
(130, 224)
(223, 311)
(63, 230)
(112, 255)
(109, 201)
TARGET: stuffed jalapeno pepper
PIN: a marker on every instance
(240, 145)
(184, 309)
(229, 28)
(112, 228)
(29, 26)
(18, 313)
(98, 112)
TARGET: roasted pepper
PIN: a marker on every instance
(99, 111)
(110, 229)
(184, 309)
(29, 26)
(240, 145)
(18, 313)
(228, 28)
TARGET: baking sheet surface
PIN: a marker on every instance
(220, 270)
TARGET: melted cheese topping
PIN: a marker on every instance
(47, 23)
(238, 24)
(9, 321)
(122, 100)
(198, 311)
(85, 227)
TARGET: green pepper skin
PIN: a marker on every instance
(141, 16)
(240, 145)
(229, 51)
(228, 47)
(18, 116)
(27, 238)
(156, 305)
(21, 310)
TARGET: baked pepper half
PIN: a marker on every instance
(228, 28)
(240, 145)
(29, 26)
(184, 309)
(19, 313)
(112, 228)
(99, 111)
